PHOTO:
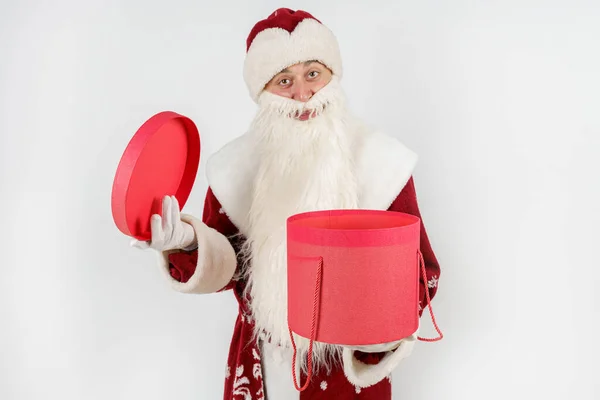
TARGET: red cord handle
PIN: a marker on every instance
(315, 319)
(312, 331)
(424, 273)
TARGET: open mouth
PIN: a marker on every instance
(306, 114)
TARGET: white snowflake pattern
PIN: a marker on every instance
(432, 282)
(323, 385)
(255, 354)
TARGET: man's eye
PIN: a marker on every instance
(313, 74)
(284, 82)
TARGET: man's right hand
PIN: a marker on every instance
(168, 232)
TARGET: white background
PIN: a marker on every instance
(499, 98)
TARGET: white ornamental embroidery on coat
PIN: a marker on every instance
(227, 372)
(323, 385)
(432, 282)
(257, 369)
(240, 381)
(257, 373)
(260, 395)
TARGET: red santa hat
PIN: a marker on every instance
(285, 38)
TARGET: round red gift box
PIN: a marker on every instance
(368, 288)
(160, 160)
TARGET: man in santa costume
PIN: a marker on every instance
(304, 151)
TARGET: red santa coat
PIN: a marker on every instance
(244, 371)
(383, 169)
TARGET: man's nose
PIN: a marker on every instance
(302, 92)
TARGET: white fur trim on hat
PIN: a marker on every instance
(275, 49)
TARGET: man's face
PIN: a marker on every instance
(300, 81)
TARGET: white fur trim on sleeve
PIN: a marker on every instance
(216, 261)
(364, 375)
(275, 49)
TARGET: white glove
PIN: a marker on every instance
(168, 232)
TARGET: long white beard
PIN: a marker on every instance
(304, 166)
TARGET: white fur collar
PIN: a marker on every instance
(383, 166)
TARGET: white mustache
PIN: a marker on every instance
(326, 98)
(312, 113)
